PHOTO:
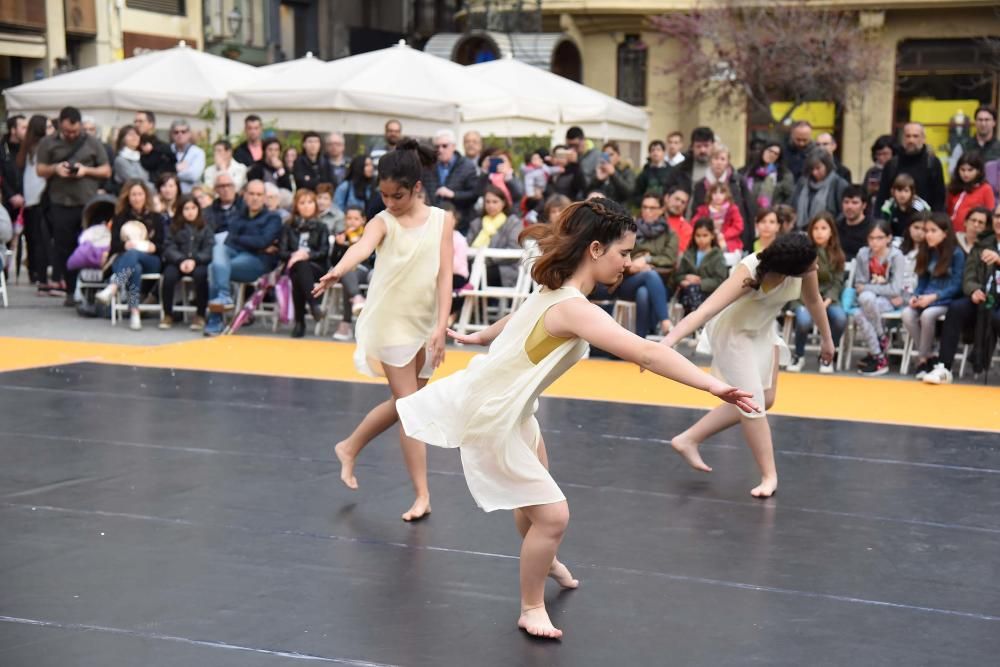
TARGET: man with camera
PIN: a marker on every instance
(74, 164)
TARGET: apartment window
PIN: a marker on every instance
(632, 70)
(173, 7)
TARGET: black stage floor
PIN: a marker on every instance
(155, 518)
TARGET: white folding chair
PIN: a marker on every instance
(117, 305)
(3, 278)
(477, 313)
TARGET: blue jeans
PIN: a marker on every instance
(647, 290)
(804, 326)
(228, 264)
(131, 264)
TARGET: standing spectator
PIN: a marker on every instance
(36, 229)
(968, 189)
(156, 155)
(280, 201)
(168, 187)
(587, 157)
(10, 173)
(614, 179)
(675, 202)
(227, 206)
(90, 127)
(853, 221)
(308, 167)
(472, 146)
(189, 156)
(696, 162)
(655, 239)
(984, 141)
(288, 158)
(452, 178)
(725, 215)
(769, 181)
(270, 168)
(800, 145)
(878, 280)
(392, 135)
(903, 206)
(250, 250)
(567, 177)
(75, 165)
(819, 189)
(186, 253)
(721, 170)
(826, 141)
(222, 155)
(335, 161)
(252, 148)
(918, 162)
(304, 246)
(883, 150)
(675, 148)
(940, 263)
(553, 208)
(497, 169)
(358, 185)
(656, 173)
(128, 159)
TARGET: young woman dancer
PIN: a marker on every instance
(401, 331)
(488, 408)
(742, 336)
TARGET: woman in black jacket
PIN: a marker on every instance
(269, 167)
(304, 245)
(187, 253)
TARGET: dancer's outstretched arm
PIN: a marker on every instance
(726, 293)
(484, 337)
(580, 318)
(374, 233)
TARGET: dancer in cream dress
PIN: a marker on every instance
(487, 410)
(742, 337)
(401, 331)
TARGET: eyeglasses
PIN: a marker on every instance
(180, 131)
(223, 185)
(440, 146)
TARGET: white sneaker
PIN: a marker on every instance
(104, 296)
(938, 375)
(357, 305)
(825, 368)
(134, 321)
(343, 334)
(796, 365)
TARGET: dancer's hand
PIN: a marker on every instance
(466, 339)
(826, 351)
(329, 278)
(738, 397)
(436, 347)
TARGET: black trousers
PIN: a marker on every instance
(961, 316)
(172, 275)
(303, 275)
(36, 234)
(64, 223)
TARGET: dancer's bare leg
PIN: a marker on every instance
(758, 435)
(558, 571)
(538, 551)
(378, 420)
(403, 382)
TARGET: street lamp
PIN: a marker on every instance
(235, 20)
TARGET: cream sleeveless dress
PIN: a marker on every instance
(488, 409)
(401, 309)
(742, 338)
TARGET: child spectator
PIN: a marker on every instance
(787, 218)
(536, 174)
(655, 174)
(329, 214)
(967, 190)
(878, 279)
(354, 229)
(726, 216)
(702, 267)
(940, 263)
(186, 253)
(304, 246)
(767, 227)
(903, 206)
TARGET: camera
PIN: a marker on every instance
(74, 168)
(494, 164)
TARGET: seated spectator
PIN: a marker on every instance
(270, 168)
(767, 228)
(497, 228)
(614, 177)
(721, 171)
(452, 178)
(566, 178)
(976, 222)
(643, 286)
(189, 156)
(136, 246)
(222, 152)
(288, 158)
(128, 159)
(702, 267)
(676, 203)
(769, 181)
(204, 195)
(186, 254)
(909, 246)
(168, 187)
(655, 173)
(308, 170)
(279, 201)
(819, 189)
(334, 159)
(655, 242)
(250, 250)
(726, 216)
(903, 206)
(226, 206)
(853, 223)
(878, 280)
(330, 214)
(980, 299)
(304, 246)
(358, 186)
(822, 230)
(940, 263)
(553, 207)
(787, 218)
(967, 190)
(883, 150)
(354, 302)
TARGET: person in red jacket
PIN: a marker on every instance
(967, 190)
(726, 216)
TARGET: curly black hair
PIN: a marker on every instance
(790, 255)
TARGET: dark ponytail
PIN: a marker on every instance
(788, 255)
(406, 164)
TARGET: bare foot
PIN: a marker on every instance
(420, 509)
(535, 621)
(562, 575)
(346, 465)
(766, 488)
(689, 450)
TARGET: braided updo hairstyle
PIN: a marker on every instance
(565, 241)
(788, 255)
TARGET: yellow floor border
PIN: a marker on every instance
(848, 397)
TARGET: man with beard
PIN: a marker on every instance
(920, 163)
